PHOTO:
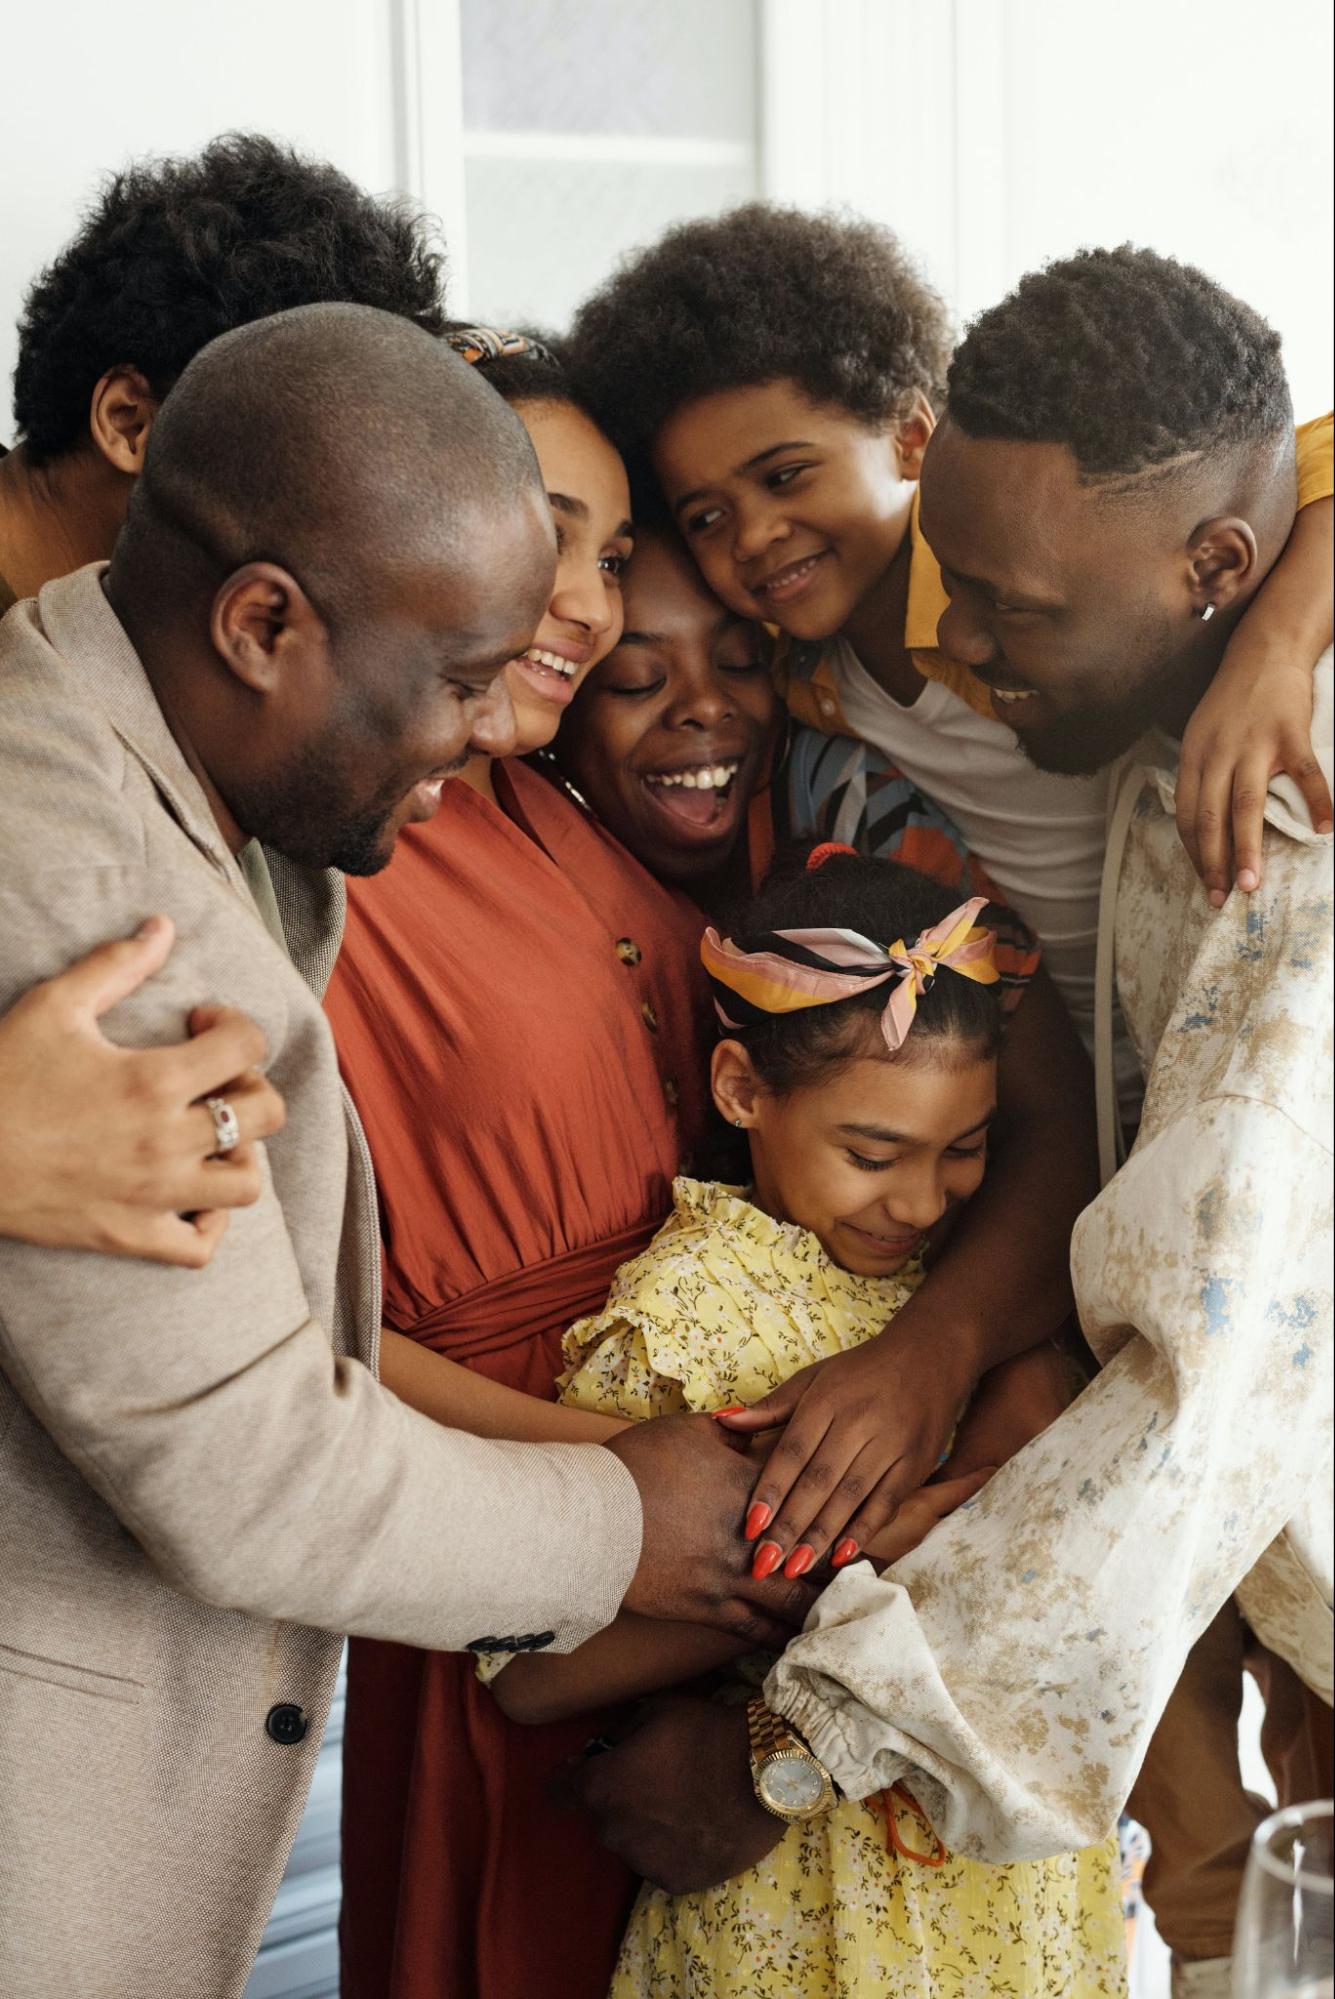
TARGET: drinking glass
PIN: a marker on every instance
(1285, 1942)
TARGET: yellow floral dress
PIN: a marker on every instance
(723, 1305)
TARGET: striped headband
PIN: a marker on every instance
(801, 968)
(480, 344)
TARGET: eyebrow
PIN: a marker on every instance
(883, 1136)
(749, 465)
(576, 510)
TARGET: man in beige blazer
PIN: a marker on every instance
(339, 539)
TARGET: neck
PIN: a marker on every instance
(1185, 685)
(477, 775)
(167, 659)
(876, 629)
(55, 518)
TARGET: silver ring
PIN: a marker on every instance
(226, 1130)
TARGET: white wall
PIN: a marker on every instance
(90, 85)
(996, 134)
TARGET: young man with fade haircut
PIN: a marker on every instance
(201, 1479)
(101, 1148)
(1112, 482)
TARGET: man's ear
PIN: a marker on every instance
(121, 416)
(260, 617)
(1223, 559)
(912, 434)
(735, 1084)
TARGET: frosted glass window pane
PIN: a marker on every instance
(542, 234)
(656, 68)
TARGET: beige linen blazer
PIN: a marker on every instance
(201, 1482)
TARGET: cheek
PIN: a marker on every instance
(713, 558)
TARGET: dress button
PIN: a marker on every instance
(628, 951)
(285, 1723)
(649, 1016)
(671, 1092)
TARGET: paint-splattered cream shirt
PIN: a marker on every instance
(1012, 1669)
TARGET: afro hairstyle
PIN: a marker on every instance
(760, 294)
(178, 251)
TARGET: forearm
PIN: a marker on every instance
(1002, 1283)
(1292, 616)
(632, 1657)
(462, 1399)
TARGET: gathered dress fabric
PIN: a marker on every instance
(523, 1023)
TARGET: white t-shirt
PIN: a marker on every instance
(1040, 836)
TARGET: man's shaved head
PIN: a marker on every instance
(332, 439)
(339, 538)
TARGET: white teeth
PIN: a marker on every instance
(1021, 694)
(708, 777)
(551, 660)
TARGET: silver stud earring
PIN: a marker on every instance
(1205, 613)
(737, 1121)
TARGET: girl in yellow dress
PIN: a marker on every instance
(864, 1076)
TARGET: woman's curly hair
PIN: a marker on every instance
(177, 251)
(760, 294)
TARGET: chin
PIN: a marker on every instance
(1081, 747)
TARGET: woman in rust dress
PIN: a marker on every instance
(521, 1020)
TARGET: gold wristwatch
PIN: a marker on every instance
(789, 1781)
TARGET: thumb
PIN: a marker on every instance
(953, 1492)
(113, 971)
(768, 1413)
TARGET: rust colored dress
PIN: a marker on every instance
(522, 1022)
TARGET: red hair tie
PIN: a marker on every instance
(826, 850)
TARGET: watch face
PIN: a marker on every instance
(790, 1783)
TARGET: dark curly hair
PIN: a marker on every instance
(760, 294)
(177, 251)
(1131, 360)
(883, 900)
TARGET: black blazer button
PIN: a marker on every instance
(286, 1723)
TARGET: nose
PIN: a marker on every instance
(962, 635)
(700, 700)
(585, 599)
(757, 525)
(495, 731)
(920, 1197)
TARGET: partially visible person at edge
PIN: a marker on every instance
(202, 1479)
(1035, 1637)
(110, 1151)
(540, 1189)
(865, 1113)
(114, 1149)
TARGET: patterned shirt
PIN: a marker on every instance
(1012, 1669)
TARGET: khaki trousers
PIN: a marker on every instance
(1190, 1796)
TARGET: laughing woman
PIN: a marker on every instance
(521, 1020)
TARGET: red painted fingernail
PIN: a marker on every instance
(733, 1409)
(845, 1552)
(799, 1561)
(757, 1520)
(768, 1556)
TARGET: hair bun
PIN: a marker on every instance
(826, 851)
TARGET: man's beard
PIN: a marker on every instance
(293, 815)
(1089, 740)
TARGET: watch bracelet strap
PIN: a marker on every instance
(771, 1735)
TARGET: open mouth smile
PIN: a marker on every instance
(698, 797)
(790, 582)
(551, 674)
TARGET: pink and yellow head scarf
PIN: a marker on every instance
(794, 969)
